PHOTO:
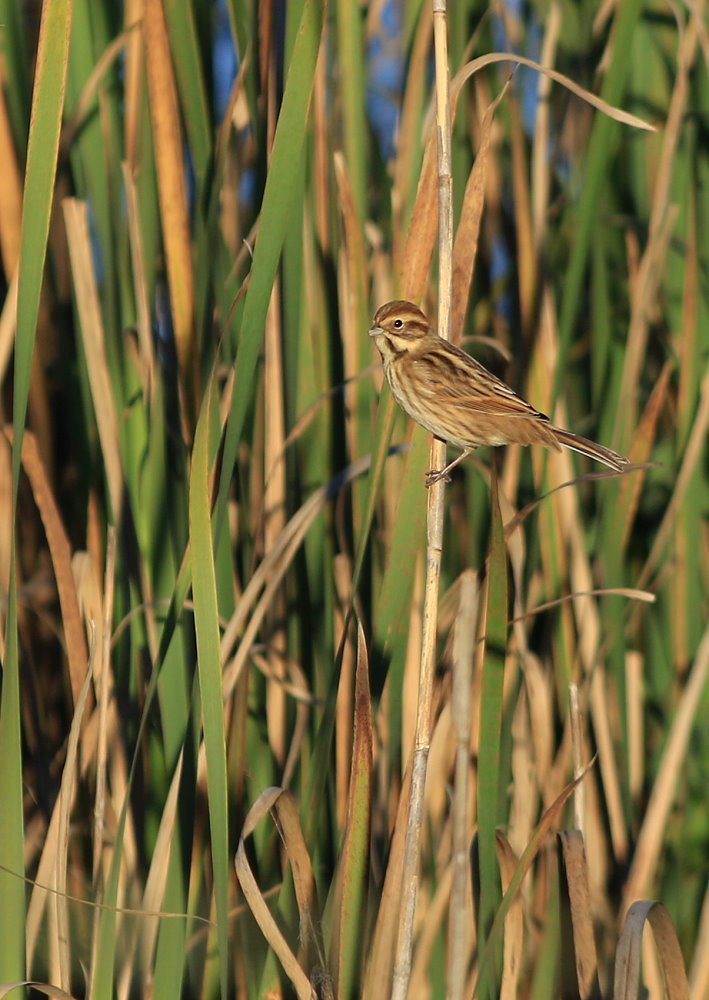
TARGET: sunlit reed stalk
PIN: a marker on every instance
(422, 740)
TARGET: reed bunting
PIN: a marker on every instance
(457, 399)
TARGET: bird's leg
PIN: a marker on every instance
(436, 475)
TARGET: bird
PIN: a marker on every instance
(457, 399)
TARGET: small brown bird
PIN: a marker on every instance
(456, 398)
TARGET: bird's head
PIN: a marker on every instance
(397, 326)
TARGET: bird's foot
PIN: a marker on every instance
(437, 476)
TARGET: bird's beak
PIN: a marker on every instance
(375, 331)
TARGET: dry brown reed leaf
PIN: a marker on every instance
(285, 814)
(10, 190)
(626, 980)
(92, 334)
(441, 758)
(551, 817)
(525, 780)
(274, 518)
(418, 252)
(513, 944)
(651, 834)
(635, 701)
(465, 247)
(8, 322)
(89, 592)
(346, 924)
(579, 934)
(172, 196)
(541, 698)
(407, 158)
(380, 960)
(60, 552)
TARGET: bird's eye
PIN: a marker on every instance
(398, 323)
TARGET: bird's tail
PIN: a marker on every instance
(598, 452)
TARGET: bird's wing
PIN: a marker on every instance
(453, 378)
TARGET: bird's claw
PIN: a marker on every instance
(437, 476)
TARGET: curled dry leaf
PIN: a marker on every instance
(626, 981)
(286, 817)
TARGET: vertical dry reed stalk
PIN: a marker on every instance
(402, 968)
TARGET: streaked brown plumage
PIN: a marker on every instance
(456, 398)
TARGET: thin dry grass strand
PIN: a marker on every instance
(274, 518)
(576, 753)
(463, 653)
(10, 193)
(594, 100)
(664, 789)
(699, 971)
